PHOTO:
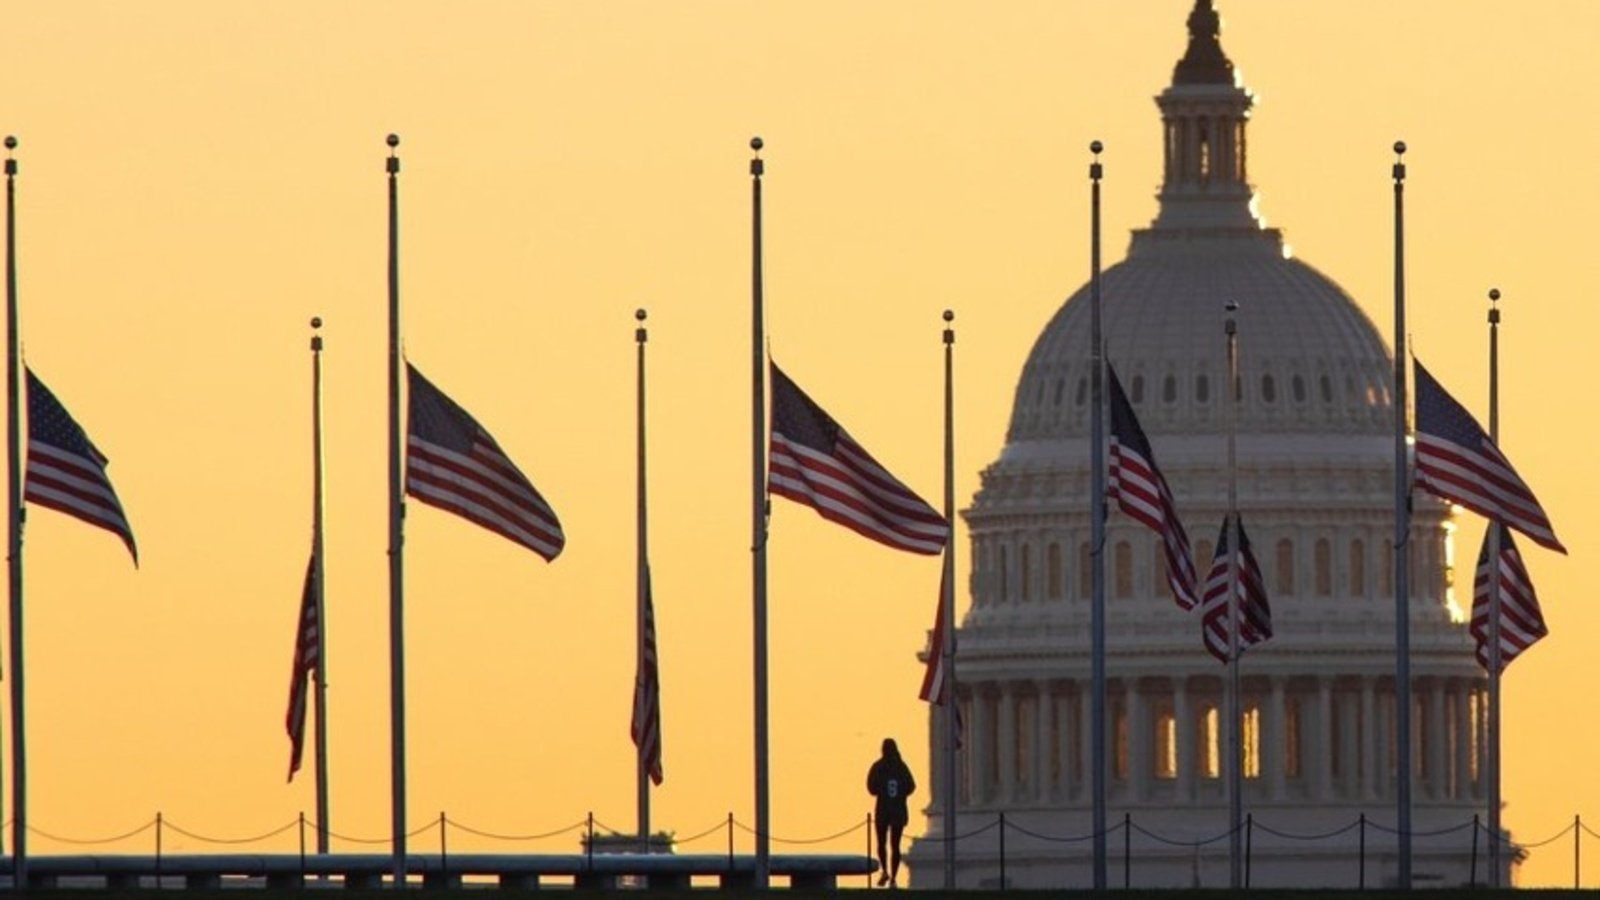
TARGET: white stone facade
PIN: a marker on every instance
(1316, 486)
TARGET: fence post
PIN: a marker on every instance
(1249, 843)
(730, 843)
(1127, 850)
(1002, 851)
(158, 849)
(1472, 873)
(1362, 883)
(302, 848)
(1577, 841)
(444, 858)
(869, 847)
(589, 845)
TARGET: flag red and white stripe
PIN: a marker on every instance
(1255, 614)
(1140, 491)
(307, 651)
(1457, 461)
(815, 462)
(453, 463)
(935, 678)
(646, 726)
(65, 471)
(1521, 620)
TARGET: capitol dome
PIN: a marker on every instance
(1315, 477)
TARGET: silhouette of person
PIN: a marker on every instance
(890, 781)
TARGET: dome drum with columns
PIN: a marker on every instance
(1315, 484)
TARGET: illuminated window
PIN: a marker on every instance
(1291, 738)
(1166, 744)
(1210, 748)
(1251, 726)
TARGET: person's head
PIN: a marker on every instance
(889, 748)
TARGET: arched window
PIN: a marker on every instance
(1327, 389)
(1269, 389)
(1285, 560)
(1292, 763)
(1358, 568)
(1202, 389)
(1210, 744)
(1025, 573)
(1297, 386)
(1251, 728)
(1169, 389)
(1322, 562)
(1002, 576)
(1085, 572)
(1052, 571)
(1124, 565)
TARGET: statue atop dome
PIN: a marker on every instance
(1204, 62)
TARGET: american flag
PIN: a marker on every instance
(1141, 492)
(65, 470)
(646, 728)
(307, 649)
(1255, 614)
(814, 462)
(1521, 622)
(1458, 461)
(935, 680)
(454, 464)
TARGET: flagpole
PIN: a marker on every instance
(947, 604)
(1402, 532)
(758, 523)
(397, 644)
(1235, 708)
(1097, 513)
(322, 617)
(641, 589)
(19, 750)
(1495, 658)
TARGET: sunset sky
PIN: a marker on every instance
(198, 179)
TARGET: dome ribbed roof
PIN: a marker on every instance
(1310, 360)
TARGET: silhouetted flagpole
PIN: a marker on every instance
(397, 644)
(19, 749)
(1097, 513)
(320, 582)
(1494, 606)
(947, 603)
(758, 522)
(1402, 532)
(642, 596)
(1234, 706)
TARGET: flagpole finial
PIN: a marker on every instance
(949, 332)
(1094, 167)
(393, 140)
(393, 164)
(756, 143)
(11, 164)
(1494, 310)
(1399, 165)
(11, 142)
(639, 333)
(316, 339)
(756, 165)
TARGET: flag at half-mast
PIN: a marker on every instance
(1255, 614)
(307, 650)
(935, 678)
(816, 463)
(1457, 461)
(646, 727)
(453, 463)
(66, 472)
(1521, 621)
(1141, 492)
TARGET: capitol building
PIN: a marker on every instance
(1316, 489)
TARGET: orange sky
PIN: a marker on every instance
(199, 179)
